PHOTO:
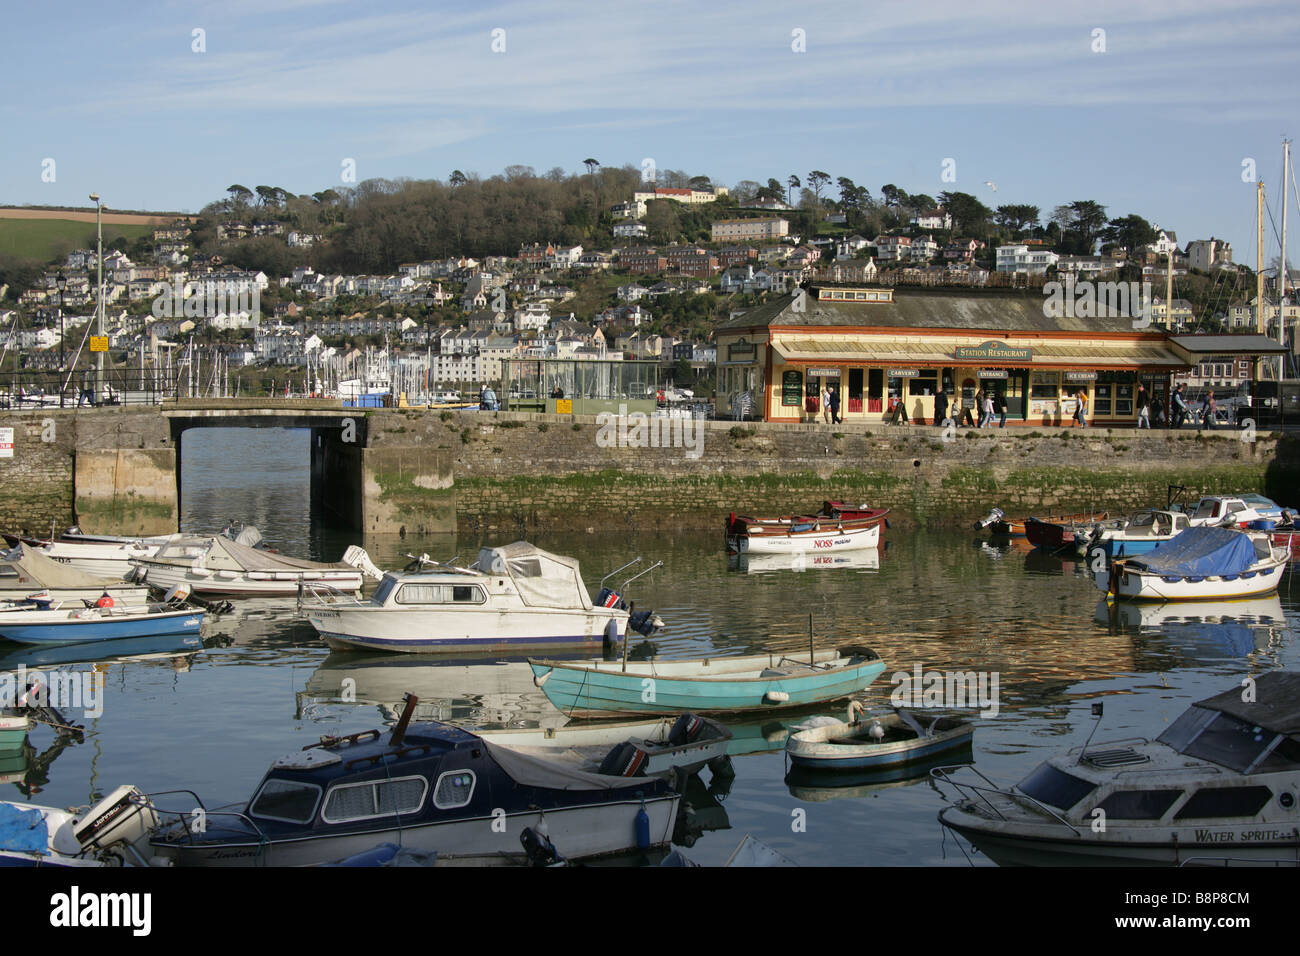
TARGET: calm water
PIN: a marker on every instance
(264, 685)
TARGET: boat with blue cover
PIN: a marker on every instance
(711, 685)
(1200, 564)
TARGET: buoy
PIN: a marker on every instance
(104, 600)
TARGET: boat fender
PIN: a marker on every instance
(538, 848)
(685, 730)
(642, 828)
(105, 600)
(776, 697)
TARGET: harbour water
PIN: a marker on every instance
(264, 685)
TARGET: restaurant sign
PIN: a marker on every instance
(902, 372)
(791, 387)
(823, 373)
(1081, 376)
(992, 373)
(993, 352)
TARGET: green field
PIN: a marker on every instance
(47, 239)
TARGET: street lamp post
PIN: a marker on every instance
(62, 282)
(99, 307)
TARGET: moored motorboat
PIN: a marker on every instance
(220, 566)
(837, 527)
(513, 597)
(1143, 532)
(1200, 564)
(431, 786)
(86, 624)
(710, 685)
(34, 570)
(1218, 786)
(1054, 534)
(877, 742)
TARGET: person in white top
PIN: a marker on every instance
(826, 403)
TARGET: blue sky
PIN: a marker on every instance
(287, 90)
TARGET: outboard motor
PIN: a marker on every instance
(539, 849)
(125, 816)
(608, 597)
(997, 514)
(685, 730)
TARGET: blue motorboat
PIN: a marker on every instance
(428, 787)
(83, 625)
(1140, 534)
(711, 685)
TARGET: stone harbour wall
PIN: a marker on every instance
(521, 472)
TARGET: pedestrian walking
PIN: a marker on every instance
(1000, 408)
(1208, 405)
(940, 407)
(826, 403)
(1179, 409)
(833, 403)
(1144, 408)
(1081, 409)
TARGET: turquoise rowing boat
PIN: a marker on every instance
(712, 685)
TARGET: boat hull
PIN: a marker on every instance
(70, 630)
(1132, 585)
(811, 542)
(245, 584)
(13, 731)
(590, 691)
(578, 831)
(818, 750)
(1021, 845)
(361, 627)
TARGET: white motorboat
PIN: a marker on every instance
(513, 597)
(34, 570)
(1200, 564)
(217, 565)
(1217, 787)
(1223, 511)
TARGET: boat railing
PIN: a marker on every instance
(1226, 861)
(1094, 744)
(973, 791)
(326, 595)
(194, 820)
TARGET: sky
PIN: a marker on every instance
(1164, 109)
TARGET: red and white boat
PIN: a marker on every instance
(837, 527)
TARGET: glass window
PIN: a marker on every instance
(374, 798)
(1139, 804)
(1230, 742)
(1101, 400)
(1055, 787)
(440, 594)
(286, 800)
(1225, 802)
(1045, 385)
(454, 789)
(384, 590)
(926, 383)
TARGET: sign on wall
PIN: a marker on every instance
(902, 372)
(791, 387)
(564, 406)
(993, 351)
(823, 373)
(99, 343)
(1081, 376)
(992, 373)
(6, 442)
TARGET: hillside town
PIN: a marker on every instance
(620, 296)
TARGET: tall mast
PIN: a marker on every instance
(1259, 268)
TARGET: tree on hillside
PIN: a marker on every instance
(893, 196)
(1131, 233)
(239, 195)
(591, 165)
(1080, 223)
(793, 184)
(1016, 217)
(457, 178)
(817, 181)
(969, 215)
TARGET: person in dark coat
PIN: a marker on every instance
(835, 406)
(940, 406)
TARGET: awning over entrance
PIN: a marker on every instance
(941, 351)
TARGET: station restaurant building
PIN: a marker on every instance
(879, 346)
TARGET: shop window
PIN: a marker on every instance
(1045, 385)
(926, 383)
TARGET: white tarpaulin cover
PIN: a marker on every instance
(542, 579)
(532, 770)
(36, 569)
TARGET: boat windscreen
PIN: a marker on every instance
(1055, 787)
(1229, 742)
